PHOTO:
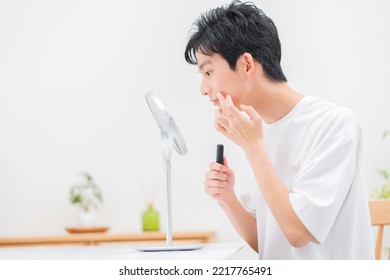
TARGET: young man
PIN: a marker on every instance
(301, 183)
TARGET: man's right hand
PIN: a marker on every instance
(219, 182)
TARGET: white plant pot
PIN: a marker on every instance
(87, 219)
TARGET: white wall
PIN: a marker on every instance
(72, 80)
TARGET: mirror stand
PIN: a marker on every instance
(167, 143)
(166, 148)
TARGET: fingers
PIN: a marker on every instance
(251, 112)
(227, 106)
(215, 175)
(220, 128)
(214, 192)
(220, 119)
(230, 112)
(215, 166)
(221, 123)
(215, 183)
(208, 183)
(231, 109)
(214, 186)
(227, 116)
(215, 179)
(221, 100)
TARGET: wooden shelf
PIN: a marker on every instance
(105, 238)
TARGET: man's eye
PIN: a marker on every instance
(208, 74)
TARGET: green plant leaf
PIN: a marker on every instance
(75, 199)
(86, 194)
(374, 193)
(385, 191)
(383, 173)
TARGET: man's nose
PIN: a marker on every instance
(204, 89)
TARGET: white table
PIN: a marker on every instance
(211, 251)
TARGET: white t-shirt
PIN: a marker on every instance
(316, 150)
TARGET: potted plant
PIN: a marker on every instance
(384, 191)
(88, 196)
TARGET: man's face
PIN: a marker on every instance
(218, 77)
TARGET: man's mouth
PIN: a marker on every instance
(215, 102)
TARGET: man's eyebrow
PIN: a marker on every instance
(203, 64)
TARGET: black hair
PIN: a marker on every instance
(234, 29)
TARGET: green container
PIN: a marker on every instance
(150, 219)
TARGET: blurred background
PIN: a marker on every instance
(73, 75)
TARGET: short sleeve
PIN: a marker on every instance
(323, 184)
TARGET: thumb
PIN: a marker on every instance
(250, 111)
(229, 171)
(225, 162)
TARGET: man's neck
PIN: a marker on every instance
(273, 101)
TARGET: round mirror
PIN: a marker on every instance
(166, 122)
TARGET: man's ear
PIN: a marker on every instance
(249, 63)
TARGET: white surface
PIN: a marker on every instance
(170, 248)
(73, 75)
(116, 252)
